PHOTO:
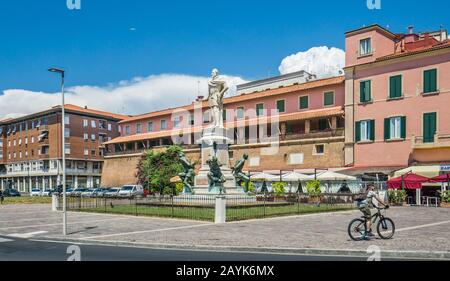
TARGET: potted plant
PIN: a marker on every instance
(397, 197)
(314, 191)
(445, 198)
(279, 190)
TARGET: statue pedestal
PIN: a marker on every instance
(215, 138)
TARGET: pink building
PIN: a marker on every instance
(397, 106)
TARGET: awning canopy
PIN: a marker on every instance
(265, 177)
(441, 178)
(409, 181)
(294, 176)
(332, 176)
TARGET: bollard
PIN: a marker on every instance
(55, 202)
(221, 209)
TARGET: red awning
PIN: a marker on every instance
(410, 180)
(441, 178)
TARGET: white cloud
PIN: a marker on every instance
(322, 61)
(136, 96)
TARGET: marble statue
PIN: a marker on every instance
(240, 176)
(217, 88)
(216, 178)
(187, 177)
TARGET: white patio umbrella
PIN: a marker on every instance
(332, 176)
(265, 177)
(295, 177)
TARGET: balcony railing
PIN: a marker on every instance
(439, 141)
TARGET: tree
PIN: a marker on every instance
(155, 169)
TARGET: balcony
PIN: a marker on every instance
(440, 141)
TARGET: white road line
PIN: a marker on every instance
(53, 224)
(421, 226)
(3, 240)
(27, 235)
(146, 231)
(56, 217)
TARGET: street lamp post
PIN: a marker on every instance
(63, 148)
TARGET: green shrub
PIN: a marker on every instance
(445, 196)
(313, 188)
(397, 196)
(251, 187)
(278, 188)
(179, 187)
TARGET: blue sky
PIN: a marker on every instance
(245, 38)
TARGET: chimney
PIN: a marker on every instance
(85, 107)
(411, 29)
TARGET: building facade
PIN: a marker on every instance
(31, 149)
(296, 125)
(397, 100)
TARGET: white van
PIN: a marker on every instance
(131, 190)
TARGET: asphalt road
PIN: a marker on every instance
(13, 249)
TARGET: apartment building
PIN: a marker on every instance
(284, 123)
(397, 97)
(31, 152)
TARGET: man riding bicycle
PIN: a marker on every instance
(365, 204)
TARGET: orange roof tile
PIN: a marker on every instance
(94, 111)
(245, 97)
(443, 45)
(328, 112)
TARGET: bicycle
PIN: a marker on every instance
(357, 228)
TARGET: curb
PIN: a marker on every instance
(427, 255)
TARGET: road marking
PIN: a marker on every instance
(27, 235)
(147, 231)
(422, 226)
(3, 240)
(53, 224)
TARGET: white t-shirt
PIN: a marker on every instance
(369, 199)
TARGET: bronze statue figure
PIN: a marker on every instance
(215, 176)
(240, 176)
(187, 177)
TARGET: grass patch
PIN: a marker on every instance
(27, 200)
(234, 213)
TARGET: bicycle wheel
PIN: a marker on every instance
(357, 229)
(386, 228)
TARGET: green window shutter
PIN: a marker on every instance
(358, 131)
(281, 106)
(403, 129)
(368, 90)
(430, 81)
(362, 91)
(372, 130)
(259, 109)
(224, 114)
(328, 98)
(365, 91)
(429, 127)
(395, 86)
(387, 128)
(304, 102)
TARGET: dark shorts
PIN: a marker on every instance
(365, 209)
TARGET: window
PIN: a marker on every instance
(224, 115)
(150, 126)
(281, 106)
(67, 148)
(328, 98)
(93, 152)
(94, 124)
(365, 131)
(26, 140)
(429, 127)
(177, 122)
(20, 154)
(319, 149)
(102, 124)
(67, 119)
(365, 91)
(67, 133)
(206, 117)
(127, 130)
(191, 119)
(138, 128)
(93, 137)
(86, 152)
(430, 81)
(32, 139)
(260, 109)
(304, 102)
(240, 112)
(109, 127)
(296, 158)
(85, 123)
(323, 124)
(395, 87)
(365, 47)
(163, 125)
(86, 136)
(395, 128)
(20, 141)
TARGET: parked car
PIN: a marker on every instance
(99, 192)
(131, 190)
(79, 191)
(112, 192)
(11, 193)
(46, 192)
(35, 192)
(69, 192)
